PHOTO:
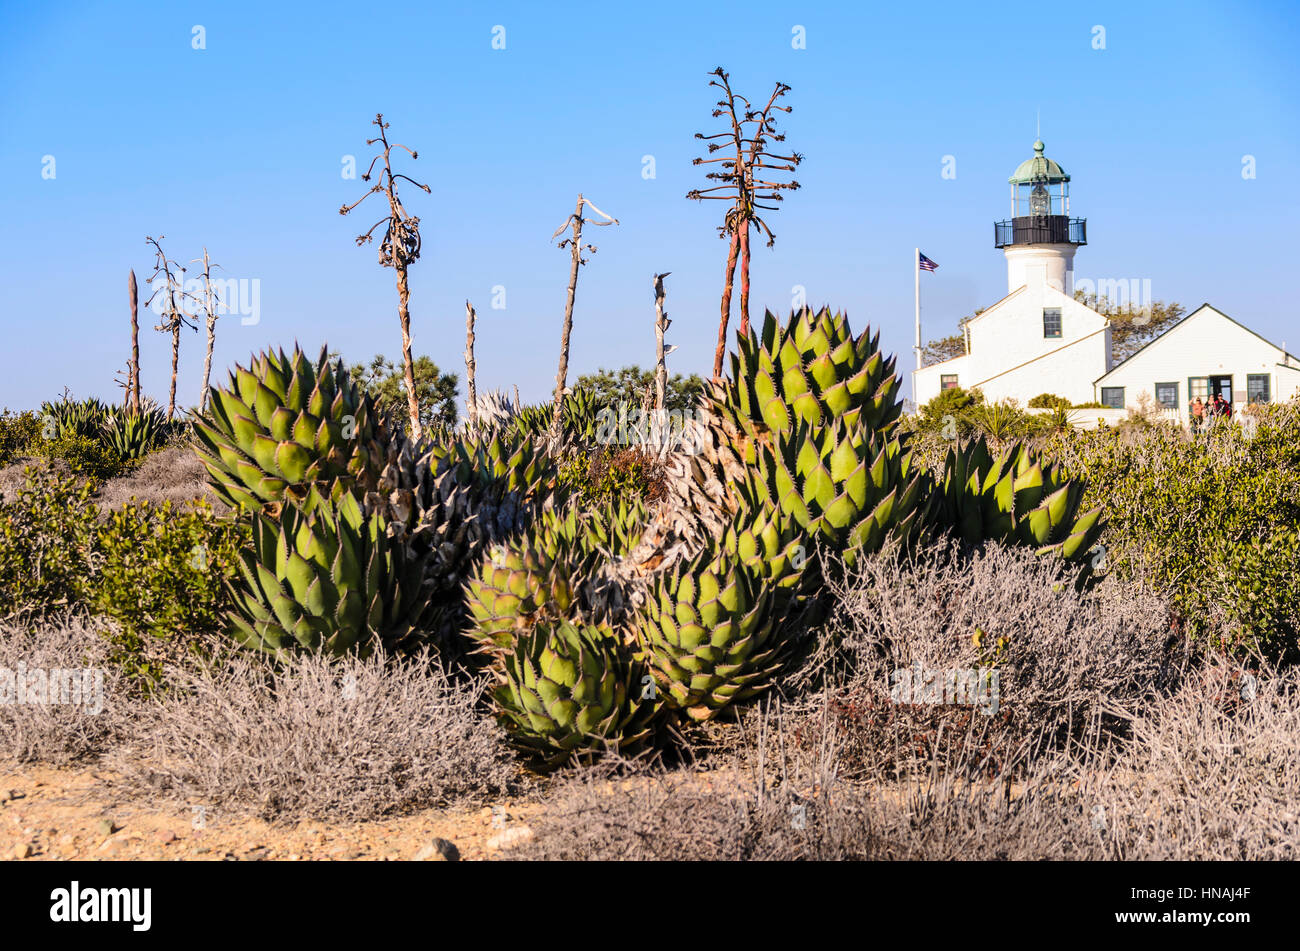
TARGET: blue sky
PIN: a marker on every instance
(240, 147)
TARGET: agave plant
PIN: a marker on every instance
(771, 544)
(451, 503)
(74, 418)
(616, 526)
(708, 632)
(571, 692)
(578, 419)
(1014, 497)
(284, 426)
(326, 578)
(532, 580)
(814, 371)
(847, 486)
(493, 411)
(1059, 419)
(508, 464)
(133, 435)
(787, 383)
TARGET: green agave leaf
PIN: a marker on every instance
(245, 432)
(245, 383)
(264, 452)
(292, 461)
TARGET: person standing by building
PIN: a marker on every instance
(1218, 407)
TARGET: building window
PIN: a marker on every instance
(1257, 389)
(1051, 321)
(1167, 395)
(1112, 396)
(1198, 387)
(948, 381)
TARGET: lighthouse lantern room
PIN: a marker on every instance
(1040, 231)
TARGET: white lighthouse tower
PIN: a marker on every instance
(1040, 235)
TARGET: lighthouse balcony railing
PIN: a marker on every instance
(1040, 229)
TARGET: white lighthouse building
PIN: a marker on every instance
(1039, 339)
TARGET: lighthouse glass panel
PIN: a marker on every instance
(1040, 202)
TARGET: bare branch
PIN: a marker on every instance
(610, 219)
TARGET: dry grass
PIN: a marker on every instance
(171, 474)
(1107, 745)
(1214, 771)
(1209, 770)
(338, 740)
(12, 476)
(56, 733)
(345, 739)
(1070, 666)
(1208, 774)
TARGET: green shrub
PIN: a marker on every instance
(18, 433)
(85, 455)
(1049, 401)
(94, 439)
(161, 578)
(47, 538)
(1059, 420)
(1092, 405)
(612, 474)
(1209, 521)
(1001, 422)
(948, 414)
(1255, 593)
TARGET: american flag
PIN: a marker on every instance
(925, 263)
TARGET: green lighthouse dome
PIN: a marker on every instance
(1038, 169)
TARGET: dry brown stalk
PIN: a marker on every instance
(210, 304)
(661, 327)
(471, 395)
(133, 376)
(574, 221)
(399, 248)
(174, 317)
(742, 185)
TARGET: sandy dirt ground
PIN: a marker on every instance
(52, 814)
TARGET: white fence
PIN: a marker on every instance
(1105, 416)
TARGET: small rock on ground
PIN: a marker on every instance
(510, 838)
(438, 850)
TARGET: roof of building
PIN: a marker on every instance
(1205, 306)
(993, 309)
(1039, 169)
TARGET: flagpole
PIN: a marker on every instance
(916, 274)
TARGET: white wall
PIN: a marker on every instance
(1010, 357)
(1063, 372)
(1011, 332)
(1205, 343)
(1090, 418)
(1056, 259)
(926, 382)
